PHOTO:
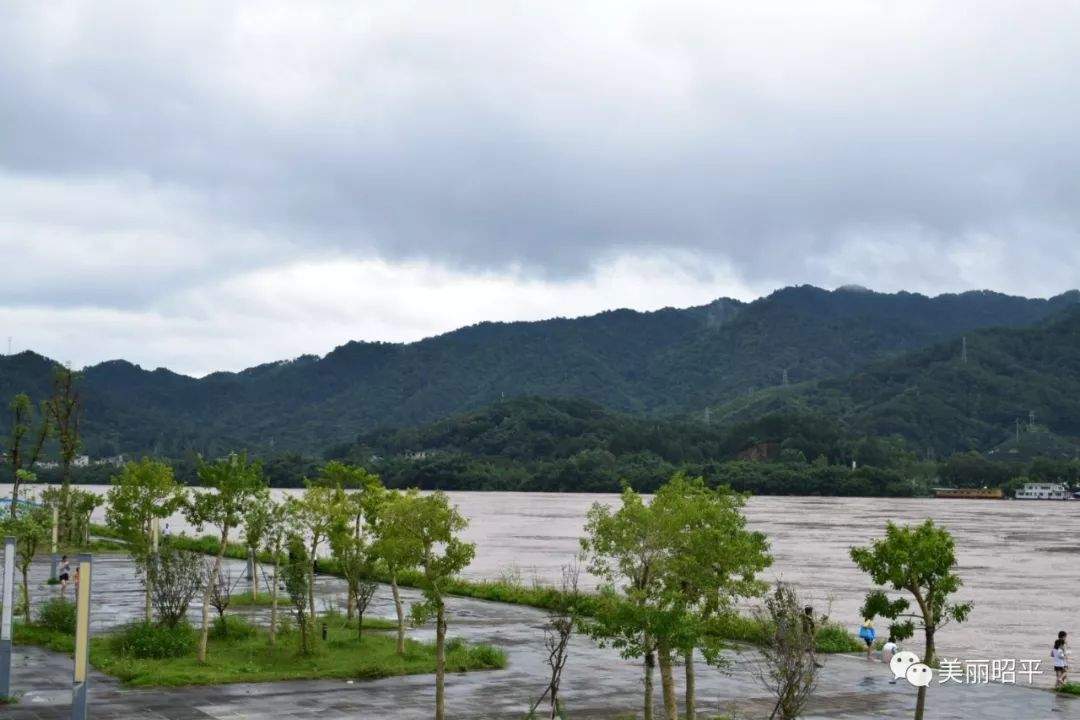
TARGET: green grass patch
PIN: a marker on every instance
(249, 657)
(1070, 688)
(740, 628)
(31, 634)
(243, 598)
(253, 659)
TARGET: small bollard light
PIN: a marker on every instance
(324, 631)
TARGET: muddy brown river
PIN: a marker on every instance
(1018, 559)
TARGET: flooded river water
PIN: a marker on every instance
(1018, 560)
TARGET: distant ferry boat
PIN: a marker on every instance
(1044, 491)
(970, 493)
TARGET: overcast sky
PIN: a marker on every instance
(209, 186)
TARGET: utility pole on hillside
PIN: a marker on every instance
(963, 350)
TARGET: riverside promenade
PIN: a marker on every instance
(598, 684)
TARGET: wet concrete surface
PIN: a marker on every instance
(598, 683)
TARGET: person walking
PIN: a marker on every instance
(65, 574)
(1061, 663)
(867, 633)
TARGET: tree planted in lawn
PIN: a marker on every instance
(296, 577)
(176, 578)
(352, 547)
(232, 485)
(318, 511)
(435, 528)
(277, 530)
(396, 546)
(921, 561)
(144, 491)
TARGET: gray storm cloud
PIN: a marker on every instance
(146, 149)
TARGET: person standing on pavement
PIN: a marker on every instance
(867, 633)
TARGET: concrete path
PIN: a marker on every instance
(598, 683)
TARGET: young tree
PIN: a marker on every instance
(625, 549)
(396, 546)
(74, 508)
(142, 492)
(175, 579)
(64, 411)
(352, 548)
(232, 485)
(276, 535)
(562, 619)
(30, 527)
(919, 560)
(711, 561)
(21, 458)
(435, 528)
(787, 667)
(220, 586)
(295, 574)
(257, 521)
(318, 512)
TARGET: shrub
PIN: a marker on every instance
(58, 615)
(232, 627)
(832, 638)
(147, 640)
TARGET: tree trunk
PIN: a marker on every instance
(650, 662)
(928, 658)
(15, 482)
(440, 662)
(691, 686)
(359, 625)
(311, 584)
(273, 605)
(667, 683)
(204, 636)
(26, 593)
(350, 604)
(149, 607)
(400, 615)
(254, 564)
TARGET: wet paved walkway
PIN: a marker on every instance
(598, 684)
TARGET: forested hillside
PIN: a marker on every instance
(574, 445)
(660, 364)
(941, 403)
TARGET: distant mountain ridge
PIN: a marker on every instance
(662, 363)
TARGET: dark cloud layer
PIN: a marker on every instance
(147, 150)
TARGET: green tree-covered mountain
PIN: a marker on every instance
(657, 364)
(942, 403)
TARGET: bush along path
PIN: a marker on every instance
(831, 637)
